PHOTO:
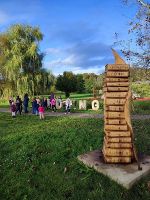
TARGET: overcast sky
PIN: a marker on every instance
(78, 34)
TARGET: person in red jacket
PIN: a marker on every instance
(41, 111)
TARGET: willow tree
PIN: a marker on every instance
(20, 57)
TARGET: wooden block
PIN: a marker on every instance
(118, 145)
(117, 133)
(118, 159)
(115, 94)
(122, 84)
(114, 115)
(115, 121)
(118, 152)
(116, 80)
(115, 101)
(119, 139)
(117, 74)
(116, 127)
(117, 89)
(114, 108)
(117, 67)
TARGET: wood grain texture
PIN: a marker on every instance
(118, 144)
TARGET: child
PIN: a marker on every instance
(68, 105)
(13, 109)
(53, 103)
(41, 111)
(10, 100)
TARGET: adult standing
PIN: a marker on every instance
(38, 100)
(51, 97)
(68, 105)
(34, 106)
(18, 105)
(26, 102)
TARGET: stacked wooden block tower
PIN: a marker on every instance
(118, 146)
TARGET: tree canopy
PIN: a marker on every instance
(137, 49)
(21, 60)
(67, 83)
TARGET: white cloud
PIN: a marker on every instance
(94, 69)
(4, 17)
(53, 51)
(70, 60)
(62, 61)
(79, 58)
(58, 66)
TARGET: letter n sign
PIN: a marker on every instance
(82, 104)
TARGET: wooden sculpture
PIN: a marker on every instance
(118, 140)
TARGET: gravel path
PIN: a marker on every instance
(81, 115)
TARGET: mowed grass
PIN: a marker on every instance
(141, 107)
(39, 160)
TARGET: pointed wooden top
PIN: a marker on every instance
(118, 59)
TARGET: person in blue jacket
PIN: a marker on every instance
(34, 106)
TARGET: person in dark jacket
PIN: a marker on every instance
(50, 98)
(18, 105)
(34, 106)
(26, 102)
(44, 102)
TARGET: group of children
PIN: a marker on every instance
(38, 105)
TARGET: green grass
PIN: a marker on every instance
(81, 96)
(39, 160)
(74, 96)
(4, 103)
(141, 107)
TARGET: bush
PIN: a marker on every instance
(143, 89)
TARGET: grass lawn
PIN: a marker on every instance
(141, 107)
(38, 160)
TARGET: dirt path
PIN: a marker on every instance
(81, 115)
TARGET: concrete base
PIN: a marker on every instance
(124, 174)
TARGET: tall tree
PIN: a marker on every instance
(67, 83)
(20, 57)
(80, 83)
(90, 80)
